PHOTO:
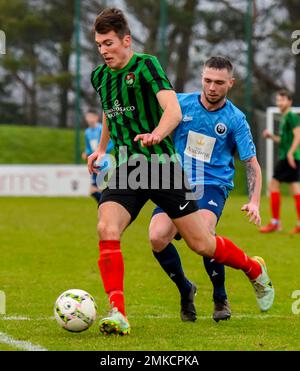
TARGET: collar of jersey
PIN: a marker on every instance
(125, 68)
(219, 109)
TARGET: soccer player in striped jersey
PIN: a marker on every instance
(211, 130)
(287, 169)
(141, 110)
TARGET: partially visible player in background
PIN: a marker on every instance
(211, 130)
(287, 169)
(92, 137)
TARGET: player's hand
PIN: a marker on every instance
(252, 212)
(148, 139)
(291, 160)
(266, 134)
(94, 158)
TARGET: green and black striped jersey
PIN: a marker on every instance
(128, 98)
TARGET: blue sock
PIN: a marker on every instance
(169, 260)
(216, 272)
(96, 196)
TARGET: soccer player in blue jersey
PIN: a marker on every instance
(92, 137)
(211, 130)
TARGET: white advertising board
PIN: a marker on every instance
(44, 180)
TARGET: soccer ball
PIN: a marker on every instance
(75, 310)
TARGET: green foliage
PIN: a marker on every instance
(40, 44)
(33, 32)
(36, 145)
(63, 79)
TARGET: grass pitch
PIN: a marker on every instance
(49, 245)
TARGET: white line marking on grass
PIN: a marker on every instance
(233, 317)
(23, 318)
(15, 318)
(24, 345)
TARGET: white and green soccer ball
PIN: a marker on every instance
(75, 310)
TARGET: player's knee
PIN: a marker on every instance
(107, 231)
(274, 186)
(201, 247)
(158, 239)
(209, 227)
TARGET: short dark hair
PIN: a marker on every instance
(285, 93)
(93, 111)
(112, 19)
(219, 63)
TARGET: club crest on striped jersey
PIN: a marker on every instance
(130, 79)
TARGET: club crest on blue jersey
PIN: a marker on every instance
(220, 128)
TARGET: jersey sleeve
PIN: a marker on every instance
(93, 79)
(96, 76)
(155, 75)
(244, 140)
(88, 149)
(294, 120)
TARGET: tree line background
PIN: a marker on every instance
(37, 73)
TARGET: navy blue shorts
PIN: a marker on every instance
(213, 199)
(173, 199)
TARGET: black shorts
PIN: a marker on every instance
(284, 173)
(166, 186)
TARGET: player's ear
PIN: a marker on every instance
(202, 78)
(127, 41)
(231, 82)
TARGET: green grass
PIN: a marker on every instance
(49, 245)
(37, 145)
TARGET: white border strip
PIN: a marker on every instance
(24, 345)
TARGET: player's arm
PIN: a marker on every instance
(87, 150)
(101, 149)
(254, 182)
(105, 136)
(171, 116)
(169, 120)
(294, 147)
(268, 135)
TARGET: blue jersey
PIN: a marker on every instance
(92, 139)
(208, 140)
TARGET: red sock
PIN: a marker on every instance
(229, 254)
(111, 267)
(275, 204)
(297, 201)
